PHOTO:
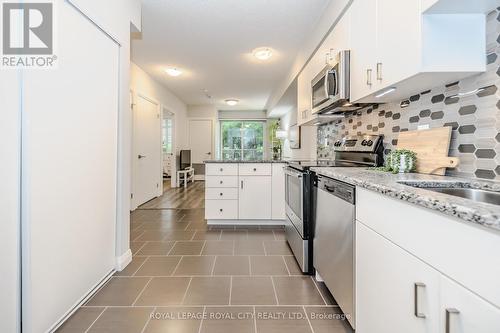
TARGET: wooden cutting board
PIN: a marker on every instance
(432, 147)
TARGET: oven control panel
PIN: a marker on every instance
(361, 143)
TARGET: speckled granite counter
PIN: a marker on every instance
(245, 161)
(388, 184)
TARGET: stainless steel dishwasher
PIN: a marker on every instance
(334, 241)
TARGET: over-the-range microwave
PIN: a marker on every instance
(331, 87)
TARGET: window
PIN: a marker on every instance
(167, 136)
(242, 140)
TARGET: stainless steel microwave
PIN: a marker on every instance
(331, 87)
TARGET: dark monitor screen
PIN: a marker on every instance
(185, 159)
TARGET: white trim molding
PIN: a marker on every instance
(123, 261)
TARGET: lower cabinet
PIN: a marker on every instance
(464, 312)
(221, 209)
(395, 292)
(255, 197)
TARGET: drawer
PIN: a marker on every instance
(221, 181)
(221, 209)
(464, 252)
(255, 169)
(221, 169)
(221, 194)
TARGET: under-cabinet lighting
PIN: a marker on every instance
(388, 91)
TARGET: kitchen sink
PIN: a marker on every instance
(477, 195)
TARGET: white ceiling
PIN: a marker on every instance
(212, 41)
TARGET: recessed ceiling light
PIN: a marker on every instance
(263, 53)
(232, 102)
(172, 71)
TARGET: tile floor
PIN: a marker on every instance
(188, 278)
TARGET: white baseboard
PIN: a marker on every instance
(123, 260)
(247, 222)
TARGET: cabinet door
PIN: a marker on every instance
(278, 192)
(255, 197)
(464, 312)
(363, 48)
(398, 41)
(303, 97)
(395, 292)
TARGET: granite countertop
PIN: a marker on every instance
(245, 161)
(487, 215)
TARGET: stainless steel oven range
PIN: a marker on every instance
(301, 193)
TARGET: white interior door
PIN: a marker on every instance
(69, 177)
(147, 150)
(200, 140)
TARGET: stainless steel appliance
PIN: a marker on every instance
(331, 87)
(334, 223)
(334, 241)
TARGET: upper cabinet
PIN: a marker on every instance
(396, 44)
(411, 46)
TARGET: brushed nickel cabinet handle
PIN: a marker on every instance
(221, 169)
(241, 184)
(449, 312)
(254, 169)
(221, 182)
(418, 285)
(221, 194)
(369, 76)
(379, 71)
(221, 210)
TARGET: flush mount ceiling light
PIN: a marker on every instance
(172, 71)
(388, 91)
(263, 53)
(232, 102)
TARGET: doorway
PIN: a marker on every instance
(201, 144)
(147, 156)
(168, 146)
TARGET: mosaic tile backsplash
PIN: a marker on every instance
(475, 118)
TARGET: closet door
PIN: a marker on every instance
(69, 171)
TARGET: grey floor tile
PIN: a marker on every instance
(249, 247)
(261, 234)
(156, 248)
(164, 291)
(121, 320)
(234, 235)
(207, 235)
(136, 246)
(81, 320)
(297, 290)
(228, 319)
(193, 265)
(232, 265)
(281, 320)
(277, 248)
(158, 266)
(268, 265)
(175, 320)
(188, 248)
(178, 235)
(218, 248)
(132, 267)
(252, 291)
(119, 291)
(292, 265)
(208, 291)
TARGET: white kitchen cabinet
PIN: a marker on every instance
(254, 198)
(221, 209)
(463, 312)
(278, 192)
(364, 46)
(413, 51)
(395, 292)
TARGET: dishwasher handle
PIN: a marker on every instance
(339, 189)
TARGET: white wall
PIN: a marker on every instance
(308, 145)
(10, 132)
(142, 83)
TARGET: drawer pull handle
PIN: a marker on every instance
(221, 169)
(221, 194)
(254, 169)
(221, 182)
(369, 77)
(379, 71)
(449, 312)
(418, 285)
(241, 184)
(221, 210)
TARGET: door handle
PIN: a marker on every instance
(241, 184)
(379, 71)
(449, 312)
(141, 156)
(418, 285)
